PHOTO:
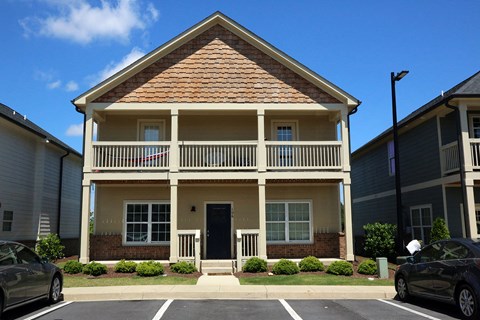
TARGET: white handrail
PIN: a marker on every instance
(189, 246)
(247, 245)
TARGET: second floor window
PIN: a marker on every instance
(475, 127)
(391, 158)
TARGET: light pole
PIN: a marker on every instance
(398, 187)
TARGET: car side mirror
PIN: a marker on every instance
(411, 260)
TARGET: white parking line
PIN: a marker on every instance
(290, 310)
(58, 306)
(162, 310)
(409, 310)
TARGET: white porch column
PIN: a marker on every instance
(174, 151)
(173, 220)
(87, 156)
(262, 223)
(345, 141)
(85, 224)
(467, 156)
(471, 222)
(262, 149)
(347, 206)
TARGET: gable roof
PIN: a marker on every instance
(13, 116)
(215, 19)
(468, 88)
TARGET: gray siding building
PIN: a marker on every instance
(40, 183)
(439, 150)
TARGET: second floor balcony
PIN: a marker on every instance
(216, 155)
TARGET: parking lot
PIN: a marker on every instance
(236, 309)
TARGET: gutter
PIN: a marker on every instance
(83, 173)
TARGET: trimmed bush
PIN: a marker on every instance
(50, 247)
(254, 265)
(125, 266)
(72, 267)
(380, 239)
(285, 266)
(94, 269)
(149, 269)
(340, 268)
(367, 267)
(183, 267)
(439, 230)
(310, 264)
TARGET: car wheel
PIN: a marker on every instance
(55, 289)
(402, 289)
(467, 302)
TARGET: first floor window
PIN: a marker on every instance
(7, 221)
(288, 221)
(477, 217)
(147, 222)
(391, 158)
(421, 217)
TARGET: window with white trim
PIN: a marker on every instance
(475, 126)
(477, 216)
(421, 218)
(391, 158)
(7, 220)
(288, 221)
(147, 222)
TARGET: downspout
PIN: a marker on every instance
(60, 187)
(461, 165)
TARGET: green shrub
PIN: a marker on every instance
(125, 266)
(255, 265)
(72, 267)
(285, 266)
(50, 247)
(184, 267)
(341, 267)
(149, 269)
(380, 239)
(94, 269)
(367, 267)
(311, 263)
(439, 230)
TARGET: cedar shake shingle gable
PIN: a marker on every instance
(217, 66)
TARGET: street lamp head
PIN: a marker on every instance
(399, 75)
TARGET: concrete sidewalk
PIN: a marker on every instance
(220, 291)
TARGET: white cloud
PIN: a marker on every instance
(113, 67)
(71, 86)
(54, 85)
(75, 130)
(81, 22)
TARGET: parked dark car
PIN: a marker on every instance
(25, 277)
(447, 271)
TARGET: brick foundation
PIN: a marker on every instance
(111, 248)
(326, 245)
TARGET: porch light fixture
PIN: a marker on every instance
(398, 187)
(194, 209)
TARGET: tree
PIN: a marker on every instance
(380, 239)
(439, 230)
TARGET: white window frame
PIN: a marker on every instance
(141, 123)
(471, 128)
(10, 221)
(149, 222)
(422, 225)
(286, 222)
(477, 218)
(391, 170)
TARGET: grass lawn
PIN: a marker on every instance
(314, 280)
(70, 282)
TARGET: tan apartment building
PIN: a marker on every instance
(216, 145)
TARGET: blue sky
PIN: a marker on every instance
(54, 50)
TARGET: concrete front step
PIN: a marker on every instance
(217, 266)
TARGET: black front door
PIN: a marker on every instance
(219, 228)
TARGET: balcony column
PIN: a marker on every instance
(85, 224)
(174, 152)
(345, 141)
(87, 157)
(262, 149)
(262, 221)
(347, 206)
(173, 220)
(467, 156)
(471, 220)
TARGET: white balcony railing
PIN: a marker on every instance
(135, 155)
(189, 246)
(247, 245)
(449, 157)
(475, 149)
(218, 155)
(283, 155)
